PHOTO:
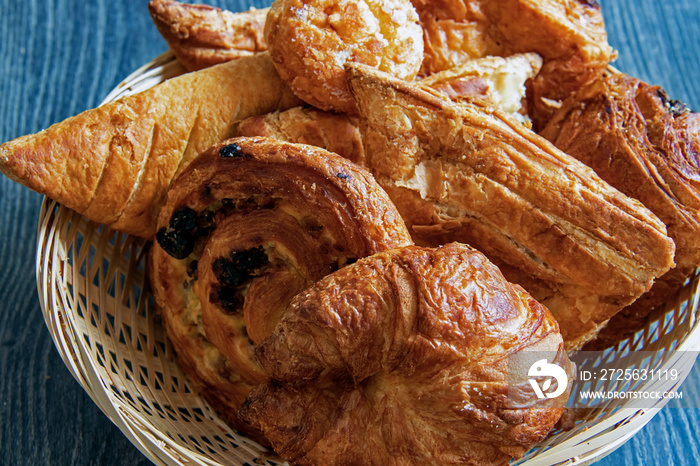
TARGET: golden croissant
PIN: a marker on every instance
(403, 358)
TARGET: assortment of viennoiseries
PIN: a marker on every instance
(359, 210)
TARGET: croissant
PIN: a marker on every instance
(248, 224)
(114, 163)
(569, 35)
(646, 145)
(469, 173)
(201, 36)
(402, 358)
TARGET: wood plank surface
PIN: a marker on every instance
(59, 57)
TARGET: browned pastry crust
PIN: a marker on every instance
(499, 80)
(568, 34)
(114, 163)
(307, 125)
(402, 358)
(201, 36)
(311, 40)
(466, 172)
(647, 146)
(247, 225)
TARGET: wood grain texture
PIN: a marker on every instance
(59, 57)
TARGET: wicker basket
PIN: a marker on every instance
(97, 306)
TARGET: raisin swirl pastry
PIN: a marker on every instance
(248, 225)
(403, 358)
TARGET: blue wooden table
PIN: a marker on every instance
(59, 57)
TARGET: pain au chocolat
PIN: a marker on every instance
(646, 145)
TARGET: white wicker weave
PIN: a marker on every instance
(97, 306)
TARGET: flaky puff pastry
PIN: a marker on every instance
(646, 145)
(114, 163)
(311, 40)
(501, 81)
(248, 225)
(201, 36)
(403, 358)
(469, 173)
(569, 35)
